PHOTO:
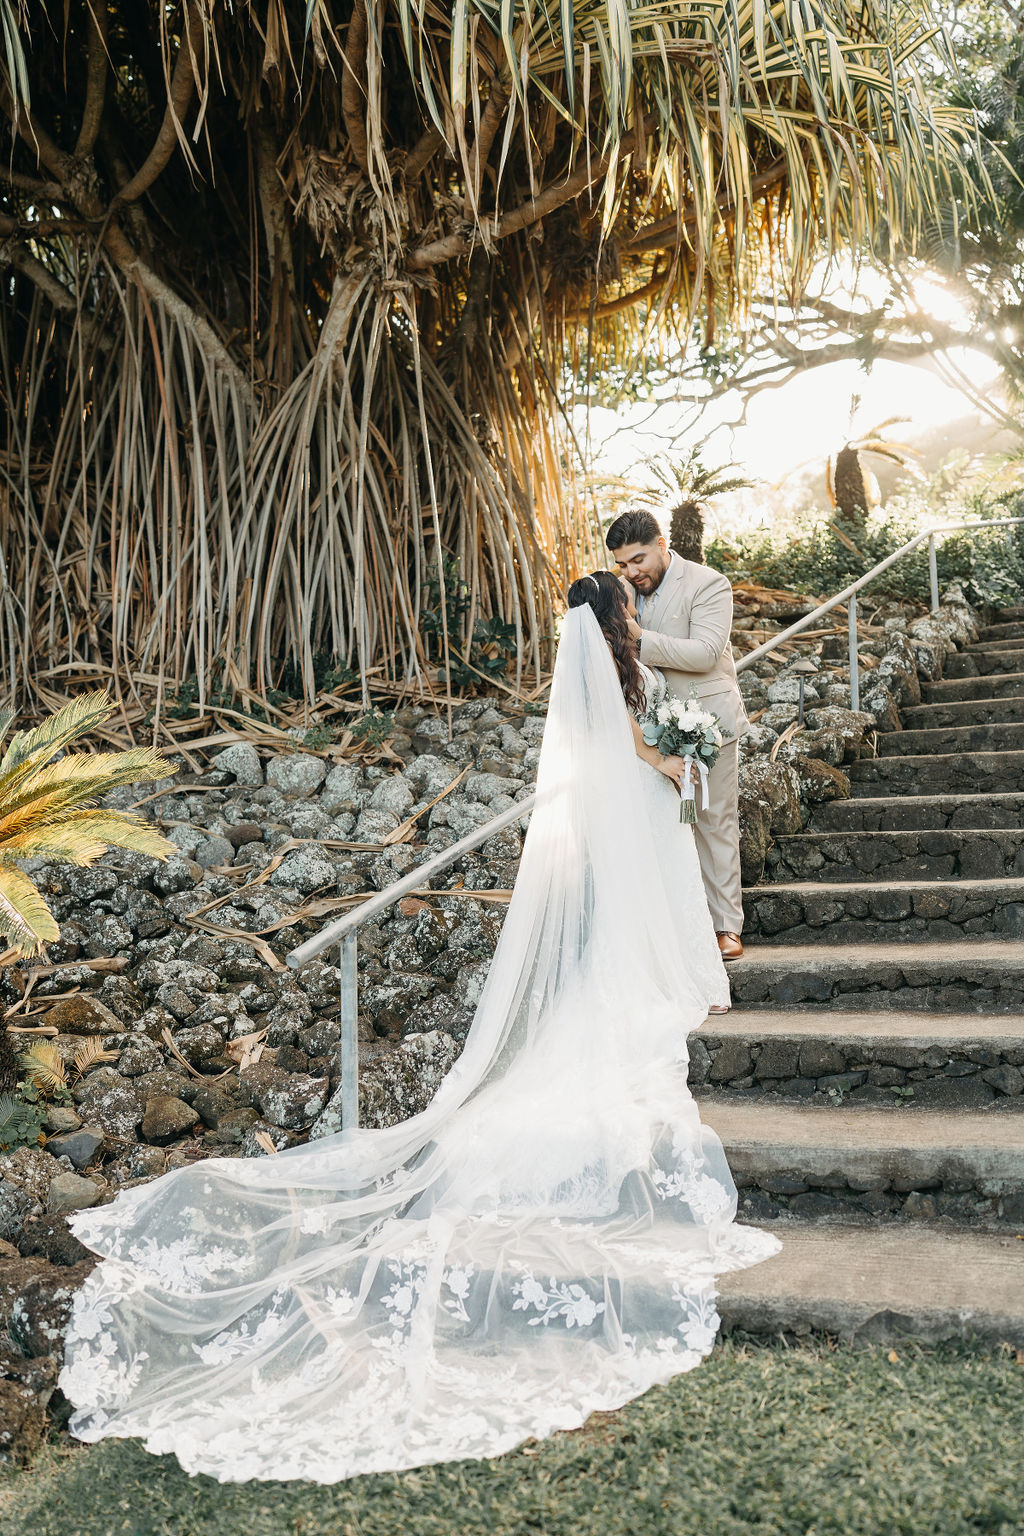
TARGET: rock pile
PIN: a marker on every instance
(206, 1044)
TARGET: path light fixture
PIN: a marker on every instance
(803, 669)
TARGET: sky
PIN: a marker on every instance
(789, 432)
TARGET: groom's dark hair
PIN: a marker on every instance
(633, 528)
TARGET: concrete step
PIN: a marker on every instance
(981, 976)
(996, 642)
(848, 1163)
(937, 1060)
(950, 690)
(884, 912)
(985, 662)
(975, 773)
(1007, 629)
(919, 813)
(882, 1286)
(961, 738)
(931, 855)
(1005, 710)
(1013, 613)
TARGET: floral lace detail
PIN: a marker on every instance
(181, 1266)
(570, 1304)
(689, 1181)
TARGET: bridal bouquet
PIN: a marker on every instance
(681, 728)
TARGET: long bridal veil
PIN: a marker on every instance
(542, 1241)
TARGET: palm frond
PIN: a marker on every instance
(44, 1066)
(26, 922)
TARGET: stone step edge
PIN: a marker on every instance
(1012, 884)
(933, 758)
(969, 1031)
(808, 834)
(881, 1285)
(848, 1164)
(1005, 952)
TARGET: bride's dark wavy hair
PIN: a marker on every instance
(603, 592)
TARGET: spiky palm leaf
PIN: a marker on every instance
(46, 811)
(253, 406)
(44, 1066)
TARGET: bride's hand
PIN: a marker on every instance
(672, 768)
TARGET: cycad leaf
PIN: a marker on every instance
(73, 720)
(85, 835)
(26, 922)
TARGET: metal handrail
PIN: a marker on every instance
(343, 930)
(849, 596)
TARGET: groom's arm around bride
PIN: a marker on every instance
(684, 623)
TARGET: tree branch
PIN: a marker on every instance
(529, 212)
(490, 122)
(421, 154)
(655, 236)
(353, 84)
(96, 80)
(183, 84)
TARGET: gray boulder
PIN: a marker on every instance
(80, 1146)
(289, 1100)
(306, 869)
(167, 1119)
(296, 773)
(70, 1192)
(394, 794)
(243, 761)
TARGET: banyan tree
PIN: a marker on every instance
(295, 293)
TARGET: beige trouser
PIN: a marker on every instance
(718, 842)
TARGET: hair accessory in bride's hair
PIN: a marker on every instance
(594, 579)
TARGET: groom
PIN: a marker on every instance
(685, 614)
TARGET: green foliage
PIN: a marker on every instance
(21, 1120)
(374, 727)
(821, 555)
(492, 644)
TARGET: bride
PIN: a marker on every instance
(541, 1242)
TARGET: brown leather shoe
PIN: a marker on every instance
(729, 944)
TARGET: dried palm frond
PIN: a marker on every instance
(45, 811)
(90, 1053)
(45, 1066)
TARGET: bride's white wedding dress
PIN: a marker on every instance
(542, 1241)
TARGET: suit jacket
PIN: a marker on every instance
(688, 639)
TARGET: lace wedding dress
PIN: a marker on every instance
(542, 1241)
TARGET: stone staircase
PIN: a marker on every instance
(869, 1083)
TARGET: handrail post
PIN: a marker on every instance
(933, 574)
(349, 1032)
(854, 663)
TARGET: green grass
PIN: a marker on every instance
(760, 1441)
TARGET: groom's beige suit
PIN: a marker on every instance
(686, 622)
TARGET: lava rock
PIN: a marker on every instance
(42, 1309)
(306, 869)
(70, 1192)
(49, 1237)
(26, 1387)
(243, 761)
(16, 1205)
(81, 1146)
(167, 1119)
(819, 781)
(286, 1100)
(297, 773)
(83, 1015)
